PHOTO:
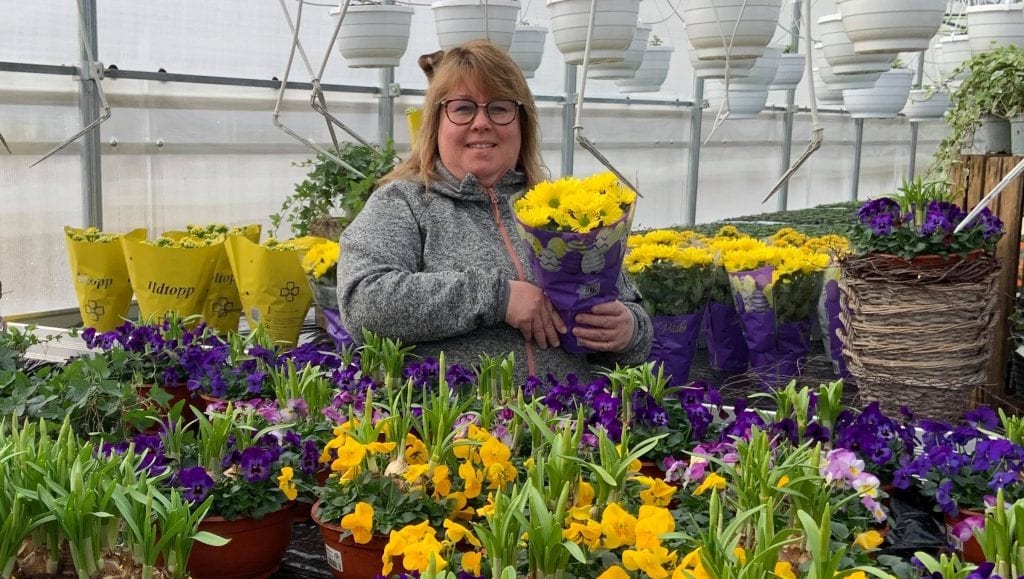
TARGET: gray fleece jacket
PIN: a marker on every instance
(429, 267)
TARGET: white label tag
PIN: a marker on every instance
(334, 559)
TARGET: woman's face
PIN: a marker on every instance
(481, 147)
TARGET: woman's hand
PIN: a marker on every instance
(531, 312)
(608, 327)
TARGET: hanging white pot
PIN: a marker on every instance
(527, 48)
(882, 101)
(374, 35)
(459, 21)
(841, 82)
(762, 73)
(823, 93)
(737, 67)
(790, 72)
(995, 25)
(652, 72)
(955, 50)
(922, 106)
(631, 60)
(733, 28)
(838, 50)
(614, 24)
(891, 25)
(743, 104)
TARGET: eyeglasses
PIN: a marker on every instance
(463, 111)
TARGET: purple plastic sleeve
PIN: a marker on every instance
(675, 342)
(727, 350)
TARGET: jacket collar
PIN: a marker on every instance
(469, 189)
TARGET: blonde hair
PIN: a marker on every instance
(490, 69)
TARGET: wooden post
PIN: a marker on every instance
(976, 176)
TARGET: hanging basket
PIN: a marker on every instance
(919, 333)
(891, 25)
(374, 35)
(459, 21)
(838, 50)
(730, 28)
(652, 72)
(528, 48)
(995, 25)
(921, 106)
(789, 73)
(882, 101)
(614, 24)
(631, 60)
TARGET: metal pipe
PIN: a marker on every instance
(568, 120)
(919, 77)
(857, 148)
(782, 199)
(693, 166)
(386, 105)
(88, 112)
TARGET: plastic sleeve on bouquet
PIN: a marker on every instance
(577, 271)
(675, 343)
(169, 279)
(272, 286)
(100, 278)
(727, 349)
(336, 330)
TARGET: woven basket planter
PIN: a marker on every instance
(919, 333)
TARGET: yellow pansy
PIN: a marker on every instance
(584, 532)
(652, 523)
(442, 485)
(493, 452)
(784, 570)
(488, 509)
(584, 494)
(455, 532)
(459, 508)
(284, 482)
(419, 554)
(650, 561)
(472, 481)
(500, 474)
(869, 540)
(380, 447)
(394, 548)
(614, 572)
(350, 454)
(618, 526)
(415, 472)
(471, 563)
(740, 553)
(713, 480)
(783, 481)
(360, 523)
(658, 493)
(415, 450)
(691, 567)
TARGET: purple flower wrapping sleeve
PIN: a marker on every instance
(829, 308)
(577, 271)
(675, 342)
(777, 353)
(727, 350)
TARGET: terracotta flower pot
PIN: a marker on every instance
(254, 552)
(969, 549)
(348, 559)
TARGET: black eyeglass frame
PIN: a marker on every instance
(476, 107)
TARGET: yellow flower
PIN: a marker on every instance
(459, 508)
(691, 567)
(615, 572)
(658, 492)
(419, 554)
(350, 455)
(472, 482)
(586, 532)
(711, 481)
(471, 562)
(650, 561)
(741, 554)
(500, 474)
(869, 540)
(380, 447)
(284, 482)
(455, 532)
(618, 527)
(415, 450)
(494, 451)
(784, 570)
(442, 485)
(415, 472)
(783, 481)
(651, 524)
(855, 575)
(321, 259)
(360, 523)
(728, 231)
(488, 509)
(584, 494)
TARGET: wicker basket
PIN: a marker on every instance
(919, 333)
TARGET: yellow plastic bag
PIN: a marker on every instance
(414, 117)
(169, 279)
(223, 306)
(272, 285)
(98, 271)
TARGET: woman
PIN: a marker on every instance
(434, 259)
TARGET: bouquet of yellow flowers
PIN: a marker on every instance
(321, 266)
(100, 275)
(674, 279)
(776, 291)
(575, 232)
(727, 349)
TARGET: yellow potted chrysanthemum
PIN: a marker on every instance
(575, 232)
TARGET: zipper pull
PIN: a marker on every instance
(492, 195)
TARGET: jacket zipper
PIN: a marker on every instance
(531, 363)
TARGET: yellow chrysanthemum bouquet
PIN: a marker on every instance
(674, 277)
(776, 291)
(100, 275)
(321, 266)
(727, 349)
(575, 231)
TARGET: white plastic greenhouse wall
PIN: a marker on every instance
(176, 153)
